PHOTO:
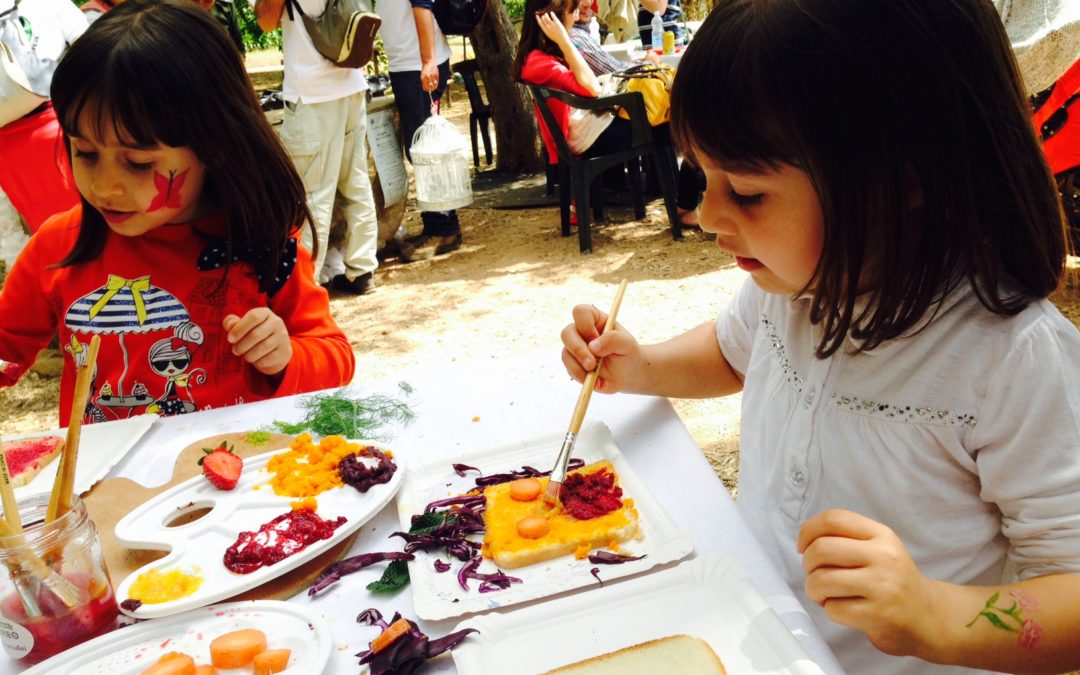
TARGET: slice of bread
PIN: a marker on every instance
(28, 456)
(568, 535)
(675, 654)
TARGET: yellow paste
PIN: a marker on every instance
(155, 586)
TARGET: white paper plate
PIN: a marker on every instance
(131, 650)
(199, 547)
(710, 597)
(439, 596)
(101, 446)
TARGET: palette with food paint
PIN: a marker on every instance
(224, 542)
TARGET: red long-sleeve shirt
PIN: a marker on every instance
(545, 70)
(159, 317)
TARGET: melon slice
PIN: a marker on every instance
(28, 456)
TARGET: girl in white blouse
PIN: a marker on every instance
(910, 437)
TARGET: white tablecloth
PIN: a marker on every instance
(487, 404)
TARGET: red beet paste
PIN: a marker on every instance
(592, 495)
(280, 538)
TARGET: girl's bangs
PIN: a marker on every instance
(724, 103)
(118, 93)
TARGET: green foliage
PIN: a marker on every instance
(515, 8)
(254, 37)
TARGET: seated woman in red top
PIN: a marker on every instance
(547, 57)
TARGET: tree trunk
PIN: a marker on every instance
(516, 135)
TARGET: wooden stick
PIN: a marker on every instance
(7, 496)
(64, 485)
(558, 473)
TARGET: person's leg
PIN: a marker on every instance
(314, 135)
(357, 201)
(618, 136)
(442, 231)
(34, 170)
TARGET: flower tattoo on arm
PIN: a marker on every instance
(1011, 618)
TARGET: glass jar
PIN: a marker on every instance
(54, 588)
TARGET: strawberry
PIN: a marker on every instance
(221, 466)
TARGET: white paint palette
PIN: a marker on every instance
(198, 547)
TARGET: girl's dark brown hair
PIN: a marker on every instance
(911, 120)
(531, 35)
(163, 71)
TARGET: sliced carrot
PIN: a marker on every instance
(390, 635)
(172, 663)
(533, 527)
(524, 489)
(237, 649)
(272, 661)
(205, 670)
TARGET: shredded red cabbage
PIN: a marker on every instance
(333, 573)
(609, 558)
(441, 566)
(471, 501)
(494, 581)
(363, 477)
(596, 573)
(523, 472)
(460, 469)
(408, 653)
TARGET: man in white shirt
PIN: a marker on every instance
(419, 58)
(325, 130)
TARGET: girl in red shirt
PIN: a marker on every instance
(183, 254)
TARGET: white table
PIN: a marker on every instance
(510, 399)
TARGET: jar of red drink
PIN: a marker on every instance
(54, 588)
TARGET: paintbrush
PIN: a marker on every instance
(558, 473)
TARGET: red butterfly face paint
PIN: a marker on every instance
(168, 194)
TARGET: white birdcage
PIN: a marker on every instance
(440, 159)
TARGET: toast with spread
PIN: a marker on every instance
(26, 457)
(521, 531)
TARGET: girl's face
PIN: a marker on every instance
(137, 188)
(771, 222)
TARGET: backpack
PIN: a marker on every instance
(24, 75)
(459, 17)
(344, 33)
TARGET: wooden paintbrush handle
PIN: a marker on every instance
(589, 383)
(64, 485)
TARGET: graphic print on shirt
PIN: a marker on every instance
(134, 310)
(168, 190)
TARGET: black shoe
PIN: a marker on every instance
(428, 247)
(361, 285)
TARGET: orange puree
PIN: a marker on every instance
(307, 469)
(156, 586)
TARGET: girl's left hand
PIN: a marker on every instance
(859, 571)
(553, 28)
(261, 339)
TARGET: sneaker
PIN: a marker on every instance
(361, 285)
(427, 247)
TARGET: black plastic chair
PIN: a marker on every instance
(577, 175)
(480, 116)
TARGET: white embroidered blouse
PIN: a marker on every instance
(963, 438)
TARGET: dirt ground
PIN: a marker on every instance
(509, 290)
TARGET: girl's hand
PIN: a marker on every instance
(583, 345)
(553, 28)
(859, 571)
(261, 339)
